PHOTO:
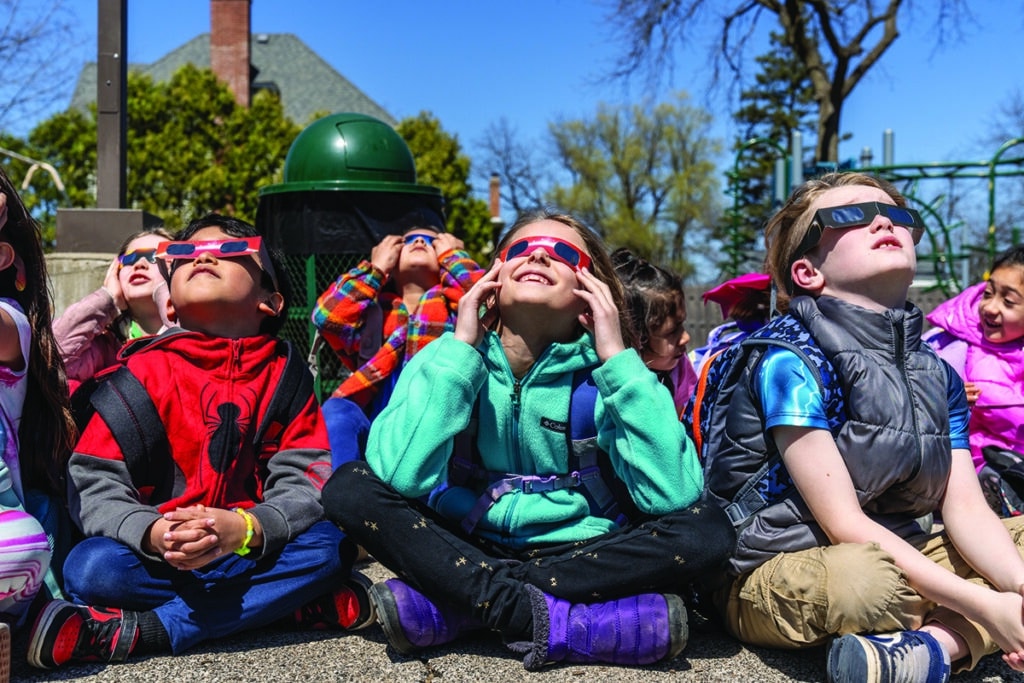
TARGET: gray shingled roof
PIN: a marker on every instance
(306, 82)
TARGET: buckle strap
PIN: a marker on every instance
(126, 636)
(526, 483)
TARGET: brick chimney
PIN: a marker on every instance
(229, 46)
(494, 198)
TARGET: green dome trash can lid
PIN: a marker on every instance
(349, 151)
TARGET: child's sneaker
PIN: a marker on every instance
(65, 632)
(348, 607)
(903, 657)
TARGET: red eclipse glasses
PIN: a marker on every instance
(560, 250)
(225, 248)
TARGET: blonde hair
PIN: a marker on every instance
(788, 227)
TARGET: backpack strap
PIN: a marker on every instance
(289, 398)
(607, 495)
(126, 407)
(698, 397)
(771, 482)
(587, 468)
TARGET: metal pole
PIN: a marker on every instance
(887, 147)
(797, 160)
(111, 104)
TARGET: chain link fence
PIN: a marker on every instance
(310, 275)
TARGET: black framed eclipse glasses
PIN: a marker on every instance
(854, 215)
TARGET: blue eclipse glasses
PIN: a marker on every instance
(134, 256)
(413, 236)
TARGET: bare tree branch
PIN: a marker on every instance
(36, 58)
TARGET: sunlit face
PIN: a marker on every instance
(211, 283)
(871, 265)
(1001, 308)
(139, 279)
(418, 251)
(537, 279)
(667, 344)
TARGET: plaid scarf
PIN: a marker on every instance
(405, 335)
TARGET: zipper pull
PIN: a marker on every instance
(516, 390)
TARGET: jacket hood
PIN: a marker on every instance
(220, 356)
(959, 316)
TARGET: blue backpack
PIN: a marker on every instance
(768, 482)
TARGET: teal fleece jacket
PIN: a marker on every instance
(522, 430)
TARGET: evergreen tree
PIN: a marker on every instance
(780, 102)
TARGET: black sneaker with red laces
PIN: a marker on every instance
(65, 632)
(348, 607)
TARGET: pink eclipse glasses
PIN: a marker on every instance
(559, 250)
(225, 248)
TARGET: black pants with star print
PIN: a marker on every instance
(435, 556)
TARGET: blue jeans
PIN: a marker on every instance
(229, 595)
(347, 429)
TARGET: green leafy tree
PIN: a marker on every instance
(780, 102)
(441, 162)
(643, 176)
(837, 43)
(190, 148)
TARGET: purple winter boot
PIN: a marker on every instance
(411, 621)
(637, 630)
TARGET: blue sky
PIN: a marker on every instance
(471, 62)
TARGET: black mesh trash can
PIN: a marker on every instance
(349, 180)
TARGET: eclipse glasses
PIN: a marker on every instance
(853, 215)
(559, 250)
(132, 257)
(225, 248)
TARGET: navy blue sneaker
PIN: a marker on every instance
(903, 657)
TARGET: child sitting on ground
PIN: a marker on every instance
(36, 430)
(980, 332)
(855, 428)
(380, 314)
(745, 301)
(530, 476)
(206, 520)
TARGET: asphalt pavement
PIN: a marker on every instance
(313, 656)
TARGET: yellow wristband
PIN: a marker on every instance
(249, 532)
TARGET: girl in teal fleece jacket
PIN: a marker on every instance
(470, 494)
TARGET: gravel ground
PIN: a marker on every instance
(296, 656)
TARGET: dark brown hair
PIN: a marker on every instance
(47, 431)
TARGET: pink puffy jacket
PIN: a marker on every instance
(997, 419)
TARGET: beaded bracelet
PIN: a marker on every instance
(250, 530)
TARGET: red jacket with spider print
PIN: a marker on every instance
(211, 394)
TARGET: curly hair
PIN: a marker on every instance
(652, 293)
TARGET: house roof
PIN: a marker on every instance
(306, 82)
